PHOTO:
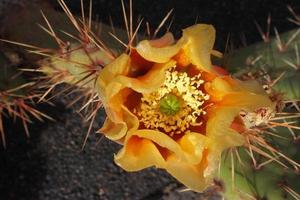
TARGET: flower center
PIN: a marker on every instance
(169, 105)
(175, 106)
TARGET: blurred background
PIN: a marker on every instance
(51, 164)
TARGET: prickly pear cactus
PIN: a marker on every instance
(68, 54)
(269, 168)
(277, 57)
(267, 178)
(18, 94)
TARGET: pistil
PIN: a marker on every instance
(169, 105)
(175, 106)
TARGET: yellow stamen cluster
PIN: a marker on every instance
(190, 97)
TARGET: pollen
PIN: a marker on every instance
(175, 106)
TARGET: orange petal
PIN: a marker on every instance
(197, 42)
(147, 83)
(116, 130)
(158, 54)
(184, 160)
(193, 145)
(200, 41)
(250, 86)
(219, 131)
(189, 175)
(139, 153)
(217, 88)
(246, 100)
(120, 66)
(166, 40)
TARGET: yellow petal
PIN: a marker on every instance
(219, 131)
(193, 145)
(158, 54)
(235, 98)
(113, 131)
(113, 105)
(113, 78)
(139, 153)
(220, 85)
(218, 88)
(159, 138)
(195, 174)
(147, 83)
(116, 130)
(250, 86)
(120, 66)
(165, 40)
(200, 41)
(190, 175)
(197, 42)
(183, 159)
(247, 101)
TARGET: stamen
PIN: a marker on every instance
(175, 106)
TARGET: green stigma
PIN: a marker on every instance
(169, 104)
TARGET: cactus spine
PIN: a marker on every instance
(272, 174)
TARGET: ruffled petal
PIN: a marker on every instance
(140, 150)
(147, 83)
(113, 105)
(197, 42)
(112, 130)
(158, 54)
(200, 41)
(117, 130)
(166, 40)
(248, 95)
(247, 101)
(120, 66)
(217, 88)
(139, 153)
(159, 138)
(193, 145)
(184, 159)
(250, 86)
(190, 175)
(219, 131)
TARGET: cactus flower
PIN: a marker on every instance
(171, 108)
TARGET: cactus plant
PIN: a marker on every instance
(267, 166)
(77, 61)
(17, 95)
(279, 54)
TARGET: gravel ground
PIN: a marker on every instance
(50, 165)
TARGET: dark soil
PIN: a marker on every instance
(51, 165)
